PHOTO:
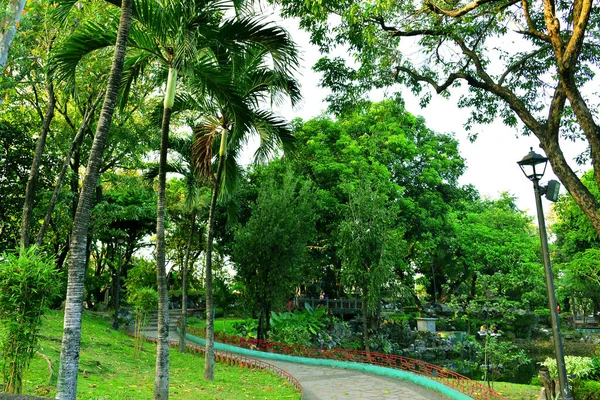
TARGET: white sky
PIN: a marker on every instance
(491, 160)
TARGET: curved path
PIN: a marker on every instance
(327, 383)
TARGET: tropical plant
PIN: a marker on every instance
(261, 73)
(28, 284)
(298, 327)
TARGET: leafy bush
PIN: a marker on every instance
(28, 283)
(246, 328)
(298, 327)
(522, 322)
(586, 390)
(578, 368)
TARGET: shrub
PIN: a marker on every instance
(586, 390)
(246, 328)
(143, 300)
(28, 283)
(298, 327)
(578, 368)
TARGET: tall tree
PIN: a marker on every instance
(551, 60)
(380, 138)
(269, 249)
(370, 248)
(262, 73)
(69, 358)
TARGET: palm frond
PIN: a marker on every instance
(231, 173)
(62, 10)
(275, 133)
(152, 170)
(247, 32)
(136, 61)
(202, 147)
(88, 38)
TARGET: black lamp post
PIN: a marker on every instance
(533, 166)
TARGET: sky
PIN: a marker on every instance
(491, 160)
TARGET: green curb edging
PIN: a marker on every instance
(374, 369)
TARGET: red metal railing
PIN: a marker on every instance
(239, 360)
(443, 375)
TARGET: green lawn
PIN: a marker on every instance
(108, 369)
(515, 391)
(221, 324)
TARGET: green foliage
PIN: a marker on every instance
(246, 328)
(270, 248)
(578, 368)
(500, 358)
(28, 283)
(17, 150)
(144, 300)
(298, 327)
(369, 248)
(586, 389)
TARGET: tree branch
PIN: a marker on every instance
(464, 10)
(398, 33)
(581, 16)
(520, 63)
(532, 29)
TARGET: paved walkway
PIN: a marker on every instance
(325, 383)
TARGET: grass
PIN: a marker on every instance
(108, 369)
(515, 391)
(221, 324)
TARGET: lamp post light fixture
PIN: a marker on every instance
(533, 166)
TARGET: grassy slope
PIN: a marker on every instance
(515, 391)
(108, 369)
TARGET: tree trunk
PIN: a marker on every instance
(76, 141)
(161, 378)
(35, 168)
(184, 284)
(14, 10)
(66, 388)
(209, 355)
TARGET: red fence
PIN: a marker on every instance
(239, 360)
(445, 376)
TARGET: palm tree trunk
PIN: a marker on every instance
(13, 13)
(39, 240)
(209, 354)
(35, 168)
(184, 283)
(161, 377)
(66, 388)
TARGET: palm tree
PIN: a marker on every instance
(194, 203)
(192, 38)
(69, 356)
(257, 83)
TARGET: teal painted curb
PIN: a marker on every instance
(374, 369)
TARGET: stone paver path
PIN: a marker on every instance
(325, 383)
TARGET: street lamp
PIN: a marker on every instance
(533, 166)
